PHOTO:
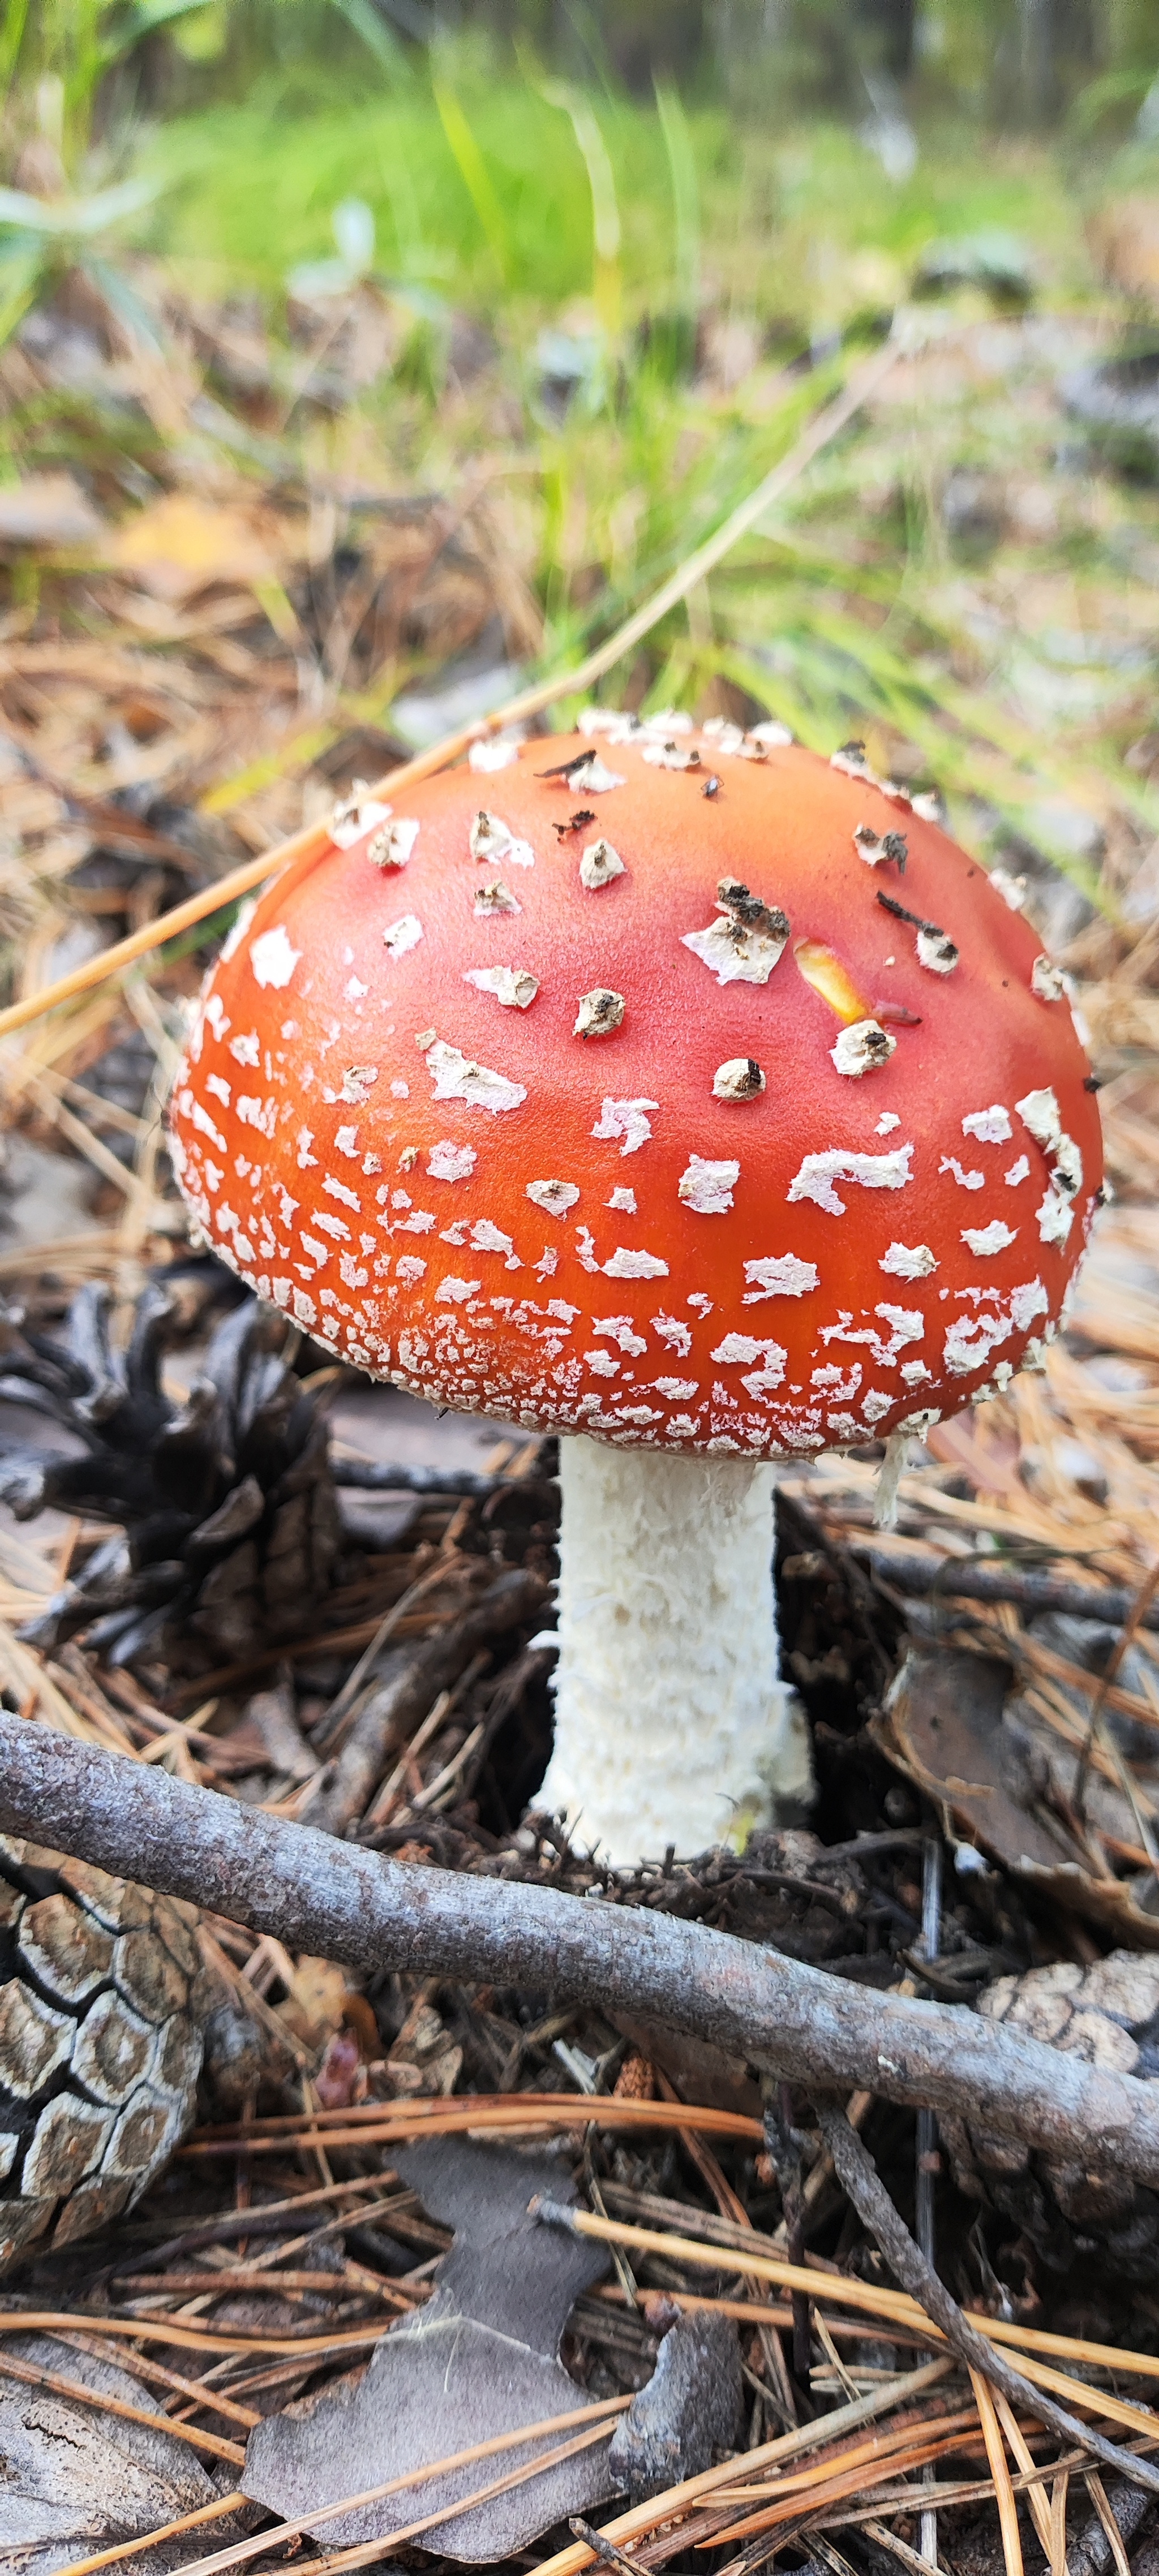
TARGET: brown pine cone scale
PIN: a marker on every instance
(1108, 2014)
(100, 2043)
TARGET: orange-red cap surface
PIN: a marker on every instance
(815, 1176)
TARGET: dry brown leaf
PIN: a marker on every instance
(480, 2362)
(943, 1728)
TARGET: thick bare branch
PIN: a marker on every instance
(338, 1902)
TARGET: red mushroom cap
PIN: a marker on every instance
(675, 1086)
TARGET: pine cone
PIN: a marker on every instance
(1107, 2014)
(100, 2044)
(230, 1529)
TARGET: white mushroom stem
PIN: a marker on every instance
(889, 1476)
(672, 1725)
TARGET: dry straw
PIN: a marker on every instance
(304, 847)
(834, 2481)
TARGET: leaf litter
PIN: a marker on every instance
(482, 2351)
(184, 680)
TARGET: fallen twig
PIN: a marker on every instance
(889, 2304)
(909, 1570)
(337, 1902)
(603, 2549)
(859, 2177)
(1117, 2533)
(907, 2321)
(397, 1476)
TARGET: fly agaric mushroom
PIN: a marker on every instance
(689, 1141)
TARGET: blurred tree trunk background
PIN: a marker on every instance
(1015, 63)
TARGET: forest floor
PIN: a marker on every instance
(278, 508)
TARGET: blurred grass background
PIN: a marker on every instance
(615, 256)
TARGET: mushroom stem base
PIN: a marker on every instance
(672, 1725)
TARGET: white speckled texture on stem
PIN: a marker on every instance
(672, 1724)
